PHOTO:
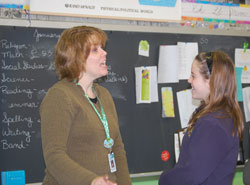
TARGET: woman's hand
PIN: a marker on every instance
(103, 180)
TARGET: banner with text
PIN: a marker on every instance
(160, 10)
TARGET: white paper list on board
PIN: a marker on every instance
(242, 59)
(175, 61)
(168, 64)
(187, 53)
(246, 102)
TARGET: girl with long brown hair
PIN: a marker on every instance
(210, 146)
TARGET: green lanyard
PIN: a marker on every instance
(108, 142)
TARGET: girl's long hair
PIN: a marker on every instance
(223, 97)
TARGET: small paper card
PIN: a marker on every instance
(112, 164)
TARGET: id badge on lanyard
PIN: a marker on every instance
(112, 165)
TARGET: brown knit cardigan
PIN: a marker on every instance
(73, 136)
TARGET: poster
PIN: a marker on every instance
(160, 10)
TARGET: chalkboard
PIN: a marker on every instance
(26, 63)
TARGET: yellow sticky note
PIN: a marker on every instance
(167, 102)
